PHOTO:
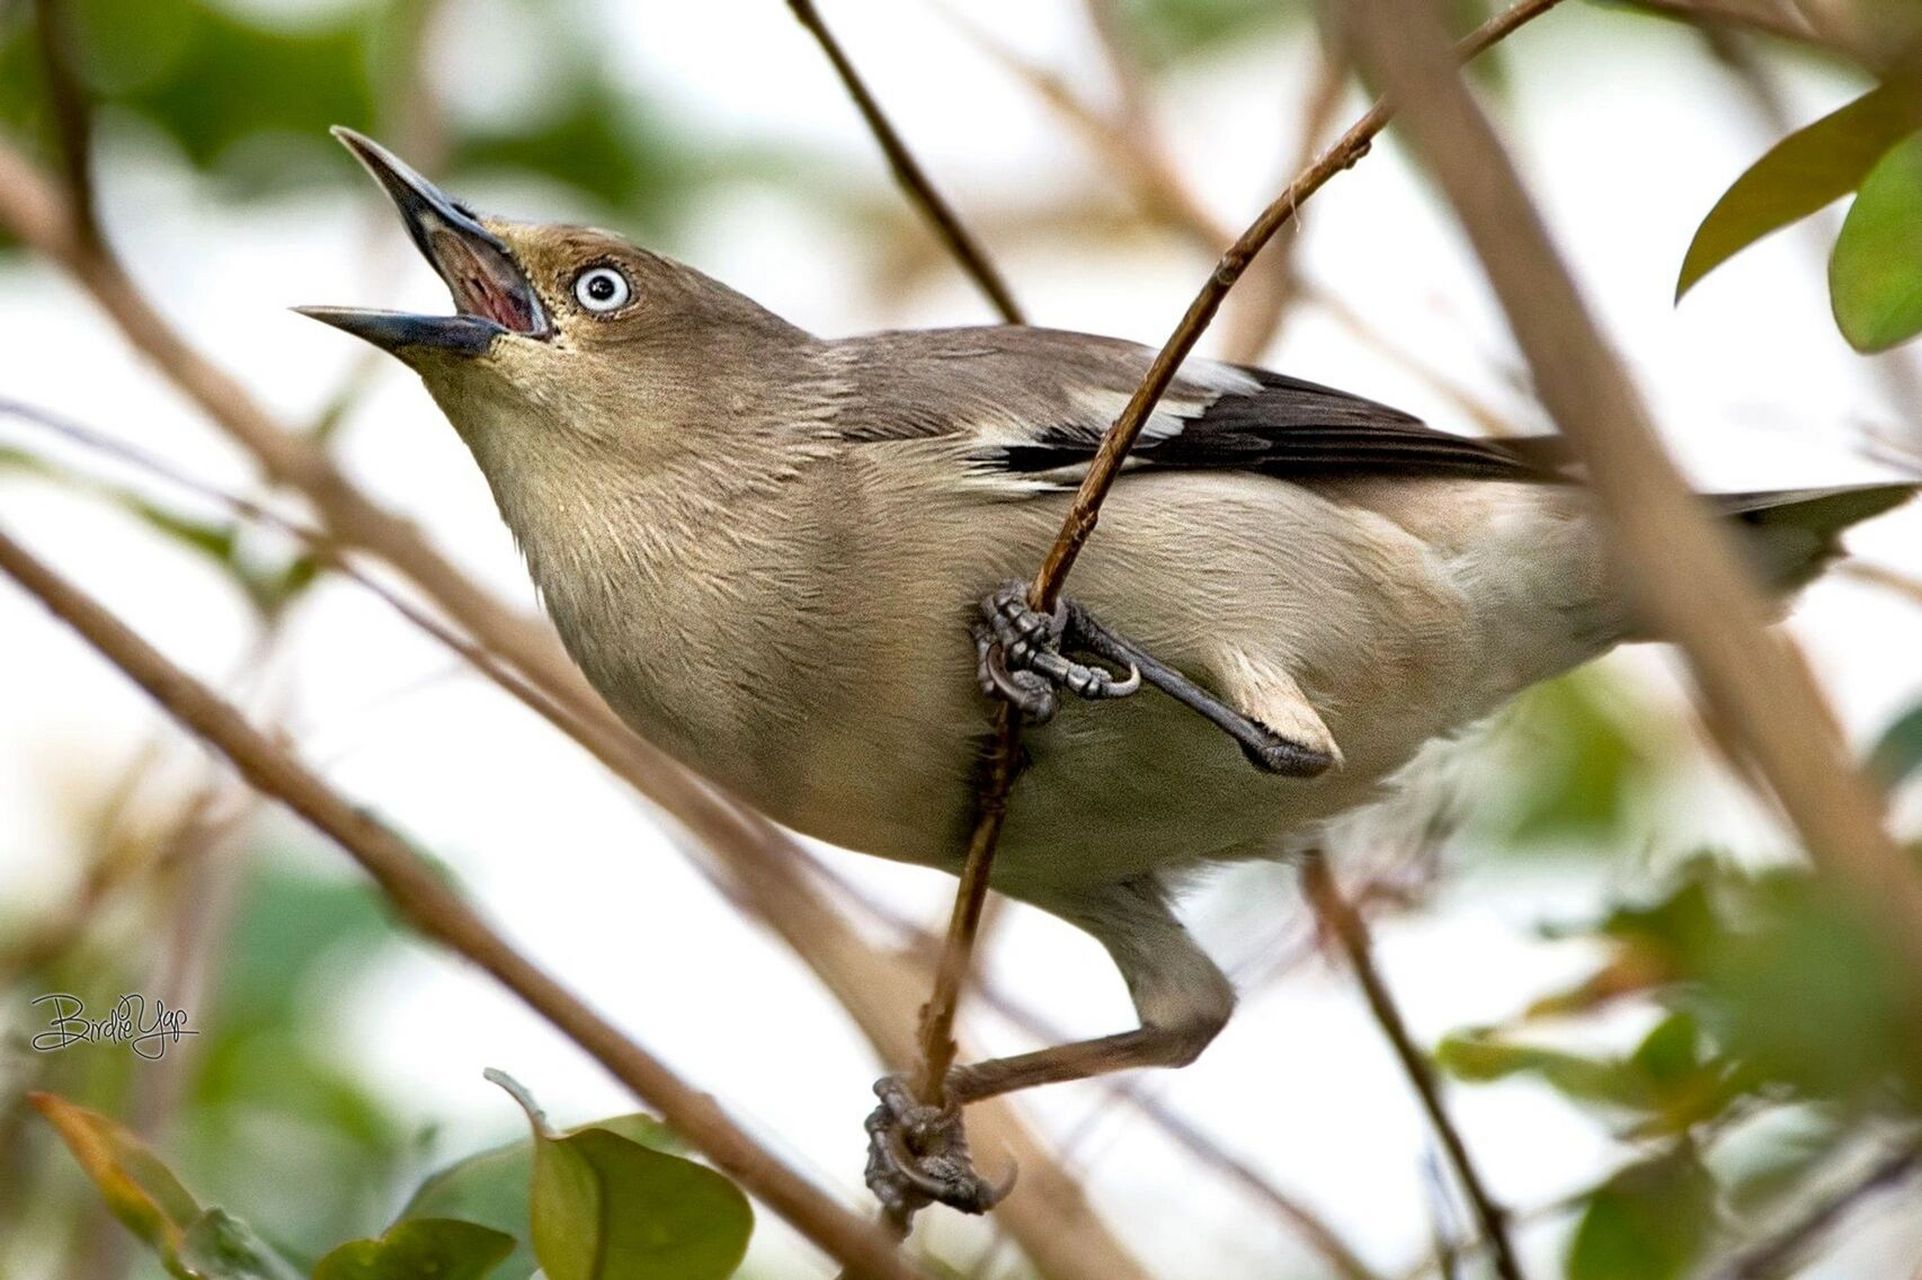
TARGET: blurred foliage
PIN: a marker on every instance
(1897, 756)
(247, 95)
(608, 1201)
(1587, 756)
(1777, 998)
(270, 582)
(259, 1085)
(1169, 31)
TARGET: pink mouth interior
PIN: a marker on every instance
(482, 283)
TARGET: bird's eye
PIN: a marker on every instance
(602, 289)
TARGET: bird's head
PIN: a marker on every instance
(556, 328)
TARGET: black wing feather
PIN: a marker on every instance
(1291, 428)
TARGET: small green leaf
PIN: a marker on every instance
(605, 1208)
(192, 1243)
(1812, 167)
(1650, 1221)
(419, 1249)
(1480, 1056)
(1875, 272)
(219, 1246)
(492, 1187)
(1898, 753)
(141, 1191)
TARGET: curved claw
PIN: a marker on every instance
(907, 1167)
(999, 1191)
(1032, 695)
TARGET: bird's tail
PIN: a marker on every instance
(1791, 534)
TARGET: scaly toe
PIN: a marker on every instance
(918, 1155)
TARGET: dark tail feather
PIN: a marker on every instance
(1791, 534)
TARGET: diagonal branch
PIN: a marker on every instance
(908, 172)
(1773, 1255)
(1341, 919)
(426, 902)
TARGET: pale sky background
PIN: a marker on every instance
(1627, 137)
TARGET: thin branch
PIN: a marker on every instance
(1878, 575)
(1685, 573)
(1003, 760)
(1348, 929)
(761, 868)
(1349, 148)
(908, 172)
(1770, 1257)
(1128, 145)
(425, 901)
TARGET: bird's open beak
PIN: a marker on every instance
(491, 295)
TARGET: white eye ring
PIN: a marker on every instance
(602, 289)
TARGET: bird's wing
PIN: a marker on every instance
(1030, 407)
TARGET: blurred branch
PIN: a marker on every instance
(1128, 143)
(1686, 574)
(1893, 580)
(1773, 1256)
(424, 900)
(1491, 420)
(761, 867)
(1782, 19)
(908, 171)
(72, 112)
(1347, 927)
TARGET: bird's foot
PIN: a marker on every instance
(1020, 656)
(918, 1155)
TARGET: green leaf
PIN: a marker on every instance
(1650, 1221)
(606, 1208)
(194, 1244)
(1481, 1056)
(1812, 167)
(492, 1187)
(1875, 272)
(1898, 753)
(419, 1249)
(219, 1246)
(140, 1190)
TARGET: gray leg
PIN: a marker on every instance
(1021, 659)
(919, 1154)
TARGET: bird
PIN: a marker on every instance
(794, 563)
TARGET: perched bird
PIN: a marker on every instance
(768, 552)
